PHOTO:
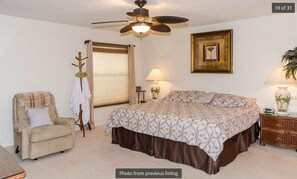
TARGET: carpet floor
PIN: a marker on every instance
(94, 157)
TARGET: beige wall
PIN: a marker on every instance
(258, 46)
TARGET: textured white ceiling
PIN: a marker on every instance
(83, 12)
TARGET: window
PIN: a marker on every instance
(110, 63)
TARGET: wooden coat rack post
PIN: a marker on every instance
(81, 74)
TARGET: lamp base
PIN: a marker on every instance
(155, 90)
(282, 99)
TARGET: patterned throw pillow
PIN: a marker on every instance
(230, 101)
(183, 96)
(250, 102)
(205, 98)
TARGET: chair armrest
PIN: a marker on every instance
(18, 128)
(21, 139)
(65, 121)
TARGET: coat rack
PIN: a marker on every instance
(81, 74)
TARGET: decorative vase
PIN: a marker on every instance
(155, 95)
(282, 99)
(155, 92)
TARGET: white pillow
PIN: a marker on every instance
(205, 98)
(39, 117)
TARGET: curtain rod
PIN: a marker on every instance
(100, 43)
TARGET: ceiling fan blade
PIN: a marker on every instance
(132, 14)
(105, 22)
(159, 27)
(126, 28)
(170, 19)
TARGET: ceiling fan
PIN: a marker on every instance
(141, 22)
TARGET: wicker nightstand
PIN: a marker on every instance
(279, 130)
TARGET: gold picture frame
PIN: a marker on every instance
(212, 52)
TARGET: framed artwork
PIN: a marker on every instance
(211, 52)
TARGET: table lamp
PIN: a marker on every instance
(282, 95)
(155, 75)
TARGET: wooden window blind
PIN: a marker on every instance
(110, 63)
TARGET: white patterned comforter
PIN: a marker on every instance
(201, 125)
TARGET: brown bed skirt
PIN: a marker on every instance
(183, 153)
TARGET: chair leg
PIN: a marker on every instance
(17, 150)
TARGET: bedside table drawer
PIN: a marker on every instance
(279, 124)
(293, 126)
(294, 140)
(279, 138)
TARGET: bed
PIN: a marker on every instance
(203, 130)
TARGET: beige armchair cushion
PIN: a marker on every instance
(49, 132)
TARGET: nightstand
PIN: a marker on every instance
(279, 130)
(139, 91)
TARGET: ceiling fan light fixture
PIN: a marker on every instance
(141, 27)
(140, 22)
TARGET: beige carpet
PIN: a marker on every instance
(95, 157)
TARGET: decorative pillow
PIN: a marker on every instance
(39, 117)
(250, 102)
(228, 100)
(205, 98)
(183, 96)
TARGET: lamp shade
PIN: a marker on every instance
(278, 76)
(155, 75)
(141, 28)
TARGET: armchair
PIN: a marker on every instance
(44, 140)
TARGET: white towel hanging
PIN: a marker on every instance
(81, 97)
